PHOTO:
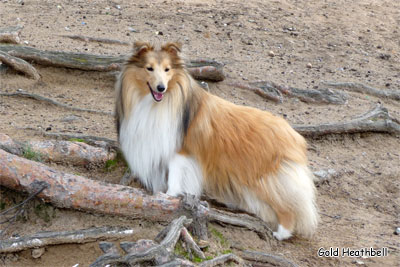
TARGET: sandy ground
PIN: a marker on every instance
(355, 41)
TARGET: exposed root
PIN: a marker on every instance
(222, 260)
(262, 257)
(365, 89)
(22, 93)
(377, 119)
(10, 35)
(95, 39)
(43, 239)
(273, 95)
(19, 65)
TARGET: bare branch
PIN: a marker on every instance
(19, 65)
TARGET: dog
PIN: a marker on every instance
(179, 139)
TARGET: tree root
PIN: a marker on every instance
(95, 39)
(377, 119)
(75, 153)
(19, 65)
(10, 35)
(361, 88)
(262, 257)
(22, 93)
(43, 239)
(275, 92)
(201, 69)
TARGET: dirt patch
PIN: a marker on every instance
(356, 41)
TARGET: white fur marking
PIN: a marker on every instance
(184, 176)
(282, 233)
(149, 139)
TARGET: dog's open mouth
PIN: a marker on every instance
(156, 95)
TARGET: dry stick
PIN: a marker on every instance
(95, 39)
(377, 119)
(262, 257)
(75, 153)
(22, 93)
(43, 239)
(275, 96)
(19, 208)
(188, 240)
(92, 62)
(19, 65)
(361, 88)
(223, 259)
(10, 34)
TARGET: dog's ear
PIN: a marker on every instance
(172, 48)
(141, 47)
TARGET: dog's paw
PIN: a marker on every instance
(282, 233)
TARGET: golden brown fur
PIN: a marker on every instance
(249, 158)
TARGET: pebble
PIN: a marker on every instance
(309, 65)
(325, 175)
(271, 53)
(37, 252)
(132, 29)
(397, 231)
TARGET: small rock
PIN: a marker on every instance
(271, 53)
(67, 28)
(132, 29)
(205, 86)
(26, 42)
(325, 175)
(358, 262)
(309, 65)
(37, 252)
(397, 231)
(159, 33)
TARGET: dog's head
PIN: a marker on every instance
(156, 67)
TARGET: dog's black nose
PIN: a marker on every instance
(160, 88)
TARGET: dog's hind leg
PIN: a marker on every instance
(184, 176)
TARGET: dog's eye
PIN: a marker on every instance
(150, 69)
(167, 69)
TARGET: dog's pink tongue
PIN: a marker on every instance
(158, 96)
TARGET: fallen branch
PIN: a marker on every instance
(95, 39)
(43, 239)
(22, 93)
(361, 88)
(19, 65)
(72, 191)
(201, 69)
(375, 120)
(75, 153)
(262, 257)
(10, 34)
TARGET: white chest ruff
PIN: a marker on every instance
(149, 139)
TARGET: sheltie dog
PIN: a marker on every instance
(179, 139)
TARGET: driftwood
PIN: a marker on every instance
(22, 93)
(377, 119)
(361, 88)
(19, 65)
(201, 69)
(75, 153)
(95, 39)
(10, 34)
(72, 191)
(43, 239)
